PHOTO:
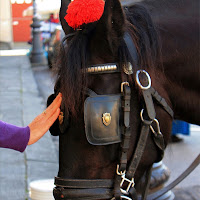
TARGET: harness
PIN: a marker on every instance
(114, 127)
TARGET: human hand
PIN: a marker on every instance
(41, 124)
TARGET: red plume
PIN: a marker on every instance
(81, 12)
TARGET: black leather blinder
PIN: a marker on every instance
(102, 116)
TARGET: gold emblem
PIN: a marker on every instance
(61, 117)
(106, 119)
(128, 69)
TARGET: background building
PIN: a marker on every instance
(13, 26)
(20, 24)
(16, 18)
(6, 34)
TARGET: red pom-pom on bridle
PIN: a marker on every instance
(81, 12)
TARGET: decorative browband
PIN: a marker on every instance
(106, 68)
(109, 68)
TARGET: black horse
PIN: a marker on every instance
(166, 45)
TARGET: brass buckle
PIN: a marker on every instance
(122, 86)
(131, 182)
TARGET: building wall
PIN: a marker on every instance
(6, 34)
(21, 25)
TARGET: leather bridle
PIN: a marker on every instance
(122, 187)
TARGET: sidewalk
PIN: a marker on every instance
(19, 105)
(178, 156)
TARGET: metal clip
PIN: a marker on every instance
(144, 120)
(138, 80)
(157, 126)
(122, 86)
(120, 173)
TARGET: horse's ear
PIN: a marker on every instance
(112, 21)
(64, 5)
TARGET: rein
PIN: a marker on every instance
(122, 187)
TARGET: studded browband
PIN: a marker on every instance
(109, 68)
(104, 68)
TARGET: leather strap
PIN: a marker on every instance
(126, 139)
(64, 40)
(139, 151)
(117, 191)
(147, 182)
(89, 92)
(126, 133)
(162, 102)
(84, 189)
(84, 183)
(131, 48)
(82, 194)
(149, 104)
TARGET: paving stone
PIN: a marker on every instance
(41, 170)
(12, 175)
(188, 193)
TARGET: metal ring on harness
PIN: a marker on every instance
(138, 80)
(148, 122)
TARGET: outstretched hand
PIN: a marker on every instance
(41, 124)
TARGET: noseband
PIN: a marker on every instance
(122, 187)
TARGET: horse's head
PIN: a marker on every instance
(98, 44)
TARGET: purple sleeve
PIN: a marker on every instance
(14, 137)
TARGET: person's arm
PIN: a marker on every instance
(17, 138)
(13, 137)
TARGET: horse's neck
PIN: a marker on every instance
(180, 49)
(181, 67)
(184, 96)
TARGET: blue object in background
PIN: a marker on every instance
(180, 127)
(45, 52)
